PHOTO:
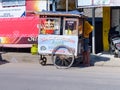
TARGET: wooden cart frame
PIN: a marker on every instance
(60, 38)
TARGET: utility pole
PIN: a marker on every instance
(53, 5)
(93, 32)
(66, 5)
(48, 5)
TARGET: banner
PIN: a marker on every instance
(97, 3)
(8, 3)
(114, 2)
(46, 43)
(18, 30)
(81, 3)
(11, 12)
(36, 5)
(101, 2)
(18, 40)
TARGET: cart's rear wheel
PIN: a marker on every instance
(43, 60)
(62, 60)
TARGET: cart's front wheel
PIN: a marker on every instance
(62, 60)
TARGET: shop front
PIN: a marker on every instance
(111, 15)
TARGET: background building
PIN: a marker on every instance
(11, 10)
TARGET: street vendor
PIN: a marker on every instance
(86, 31)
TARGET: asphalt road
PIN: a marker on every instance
(27, 76)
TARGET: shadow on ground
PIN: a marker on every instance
(2, 61)
(104, 57)
(97, 59)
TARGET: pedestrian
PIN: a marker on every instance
(86, 30)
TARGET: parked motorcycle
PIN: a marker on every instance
(114, 41)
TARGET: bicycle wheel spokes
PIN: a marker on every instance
(62, 60)
(57, 60)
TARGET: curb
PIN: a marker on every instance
(95, 60)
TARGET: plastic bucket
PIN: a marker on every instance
(34, 49)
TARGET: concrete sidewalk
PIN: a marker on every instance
(105, 59)
(101, 59)
(18, 57)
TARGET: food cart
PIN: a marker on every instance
(59, 38)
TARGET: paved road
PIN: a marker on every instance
(27, 76)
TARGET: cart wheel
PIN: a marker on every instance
(43, 61)
(62, 60)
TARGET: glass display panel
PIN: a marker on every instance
(70, 26)
(50, 26)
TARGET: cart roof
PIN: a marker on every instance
(74, 13)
